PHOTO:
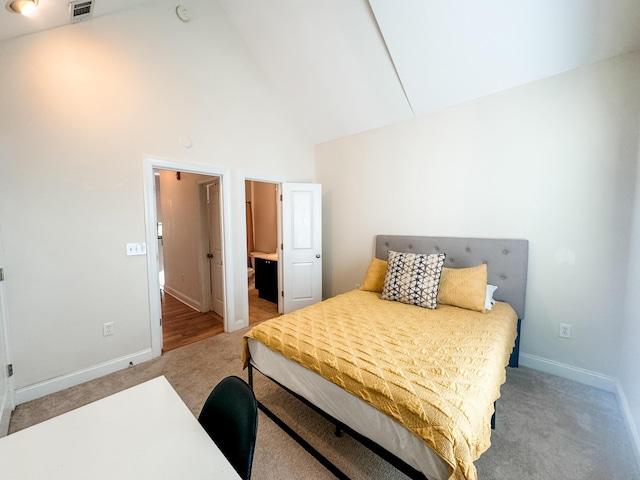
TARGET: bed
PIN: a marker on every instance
(417, 385)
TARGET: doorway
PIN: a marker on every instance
(294, 268)
(261, 216)
(190, 256)
(181, 256)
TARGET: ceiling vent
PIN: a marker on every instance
(80, 11)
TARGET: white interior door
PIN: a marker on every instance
(6, 391)
(215, 248)
(301, 254)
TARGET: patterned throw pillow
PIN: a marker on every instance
(413, 278)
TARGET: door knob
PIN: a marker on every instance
(317, 255)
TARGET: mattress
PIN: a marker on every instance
(431, 376)
(350, 410)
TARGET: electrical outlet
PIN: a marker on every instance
(107, 329)
(564, 330)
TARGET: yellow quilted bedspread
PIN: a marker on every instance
(437, 372)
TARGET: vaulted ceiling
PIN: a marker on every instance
(346, 66)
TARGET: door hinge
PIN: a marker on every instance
(10, 370)
(280, 197)
(160, 321)
(1, 274)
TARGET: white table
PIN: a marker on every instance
(144, 432)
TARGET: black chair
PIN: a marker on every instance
(230, 417)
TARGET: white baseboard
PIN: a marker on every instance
(581, 375)
(593, 379)
(631, 425)
(56, 384)
(187, 300)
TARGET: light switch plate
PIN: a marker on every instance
(136, 248)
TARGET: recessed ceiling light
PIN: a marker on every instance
(25, 7)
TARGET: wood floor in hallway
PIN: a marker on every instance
(182, 325)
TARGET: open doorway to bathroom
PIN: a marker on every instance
(261, 207)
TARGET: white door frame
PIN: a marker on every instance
(7, 397)
(155, 311)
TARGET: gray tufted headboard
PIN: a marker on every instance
(506, 260)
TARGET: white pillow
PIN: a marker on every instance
(489, 301)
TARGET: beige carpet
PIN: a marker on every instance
(547, 427)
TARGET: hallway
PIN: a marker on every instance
(182, 325)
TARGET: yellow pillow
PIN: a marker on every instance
(464, 287)
(374, 278)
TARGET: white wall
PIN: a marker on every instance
(81, 106)
(630, 352)
(553, 162)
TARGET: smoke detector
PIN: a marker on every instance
(80, 11)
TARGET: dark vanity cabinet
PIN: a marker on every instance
(267, 279)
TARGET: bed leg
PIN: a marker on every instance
(493, 417)
(338, 432)
(250, 375)
(514, 359)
